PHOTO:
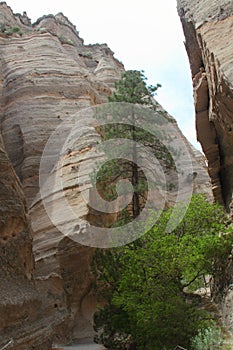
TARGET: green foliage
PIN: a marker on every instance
(65, 40)
(132, 88)
(86, 54)
(209, 339)
(149, 281)
(13, 30)
(114, 323)
(137, 134)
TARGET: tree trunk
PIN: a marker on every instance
(135, 174)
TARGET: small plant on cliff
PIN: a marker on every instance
(65, 40)
(13, 30)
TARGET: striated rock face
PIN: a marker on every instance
(47, 74)
(21, 314)
(208, 29)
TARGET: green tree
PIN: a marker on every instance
(148, 285)
(131, 88)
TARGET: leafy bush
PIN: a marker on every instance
(65, 40)
(209, 339)
(147, 283)
(13, 30)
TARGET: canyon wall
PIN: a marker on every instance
(23, 324)
(48, 74)
(208, 29)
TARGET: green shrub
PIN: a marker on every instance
(148, 284)
(65, 40)
(13, 30)
(209, 339)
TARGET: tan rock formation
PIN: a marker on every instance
(208, 29)
(22, 322)
(48, 74)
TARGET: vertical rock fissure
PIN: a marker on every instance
(206, 133)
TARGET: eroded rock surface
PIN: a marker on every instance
(48, 74)
(208, 29)
(21, 315)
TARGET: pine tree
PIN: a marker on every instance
(132, 88)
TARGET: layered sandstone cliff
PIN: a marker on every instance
(23, 324)
(208, 29)
(47, 75)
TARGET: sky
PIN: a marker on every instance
(145, 35)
